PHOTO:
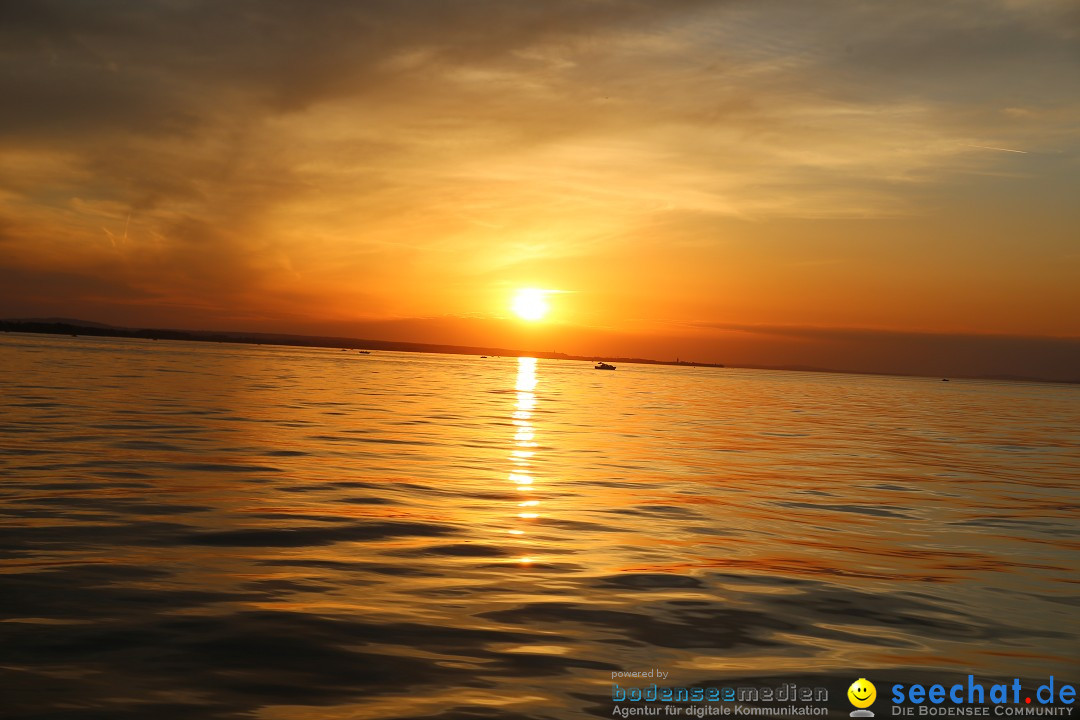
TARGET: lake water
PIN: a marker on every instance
(195, 530)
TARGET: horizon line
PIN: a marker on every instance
(97, 329)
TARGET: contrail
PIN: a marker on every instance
(987, 147)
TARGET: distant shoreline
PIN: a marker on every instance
(81, 327)
(58, 327)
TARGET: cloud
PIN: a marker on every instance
(370, 159)
(886, 351)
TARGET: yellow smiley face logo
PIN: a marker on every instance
(862, 693)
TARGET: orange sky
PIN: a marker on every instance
(692, 177)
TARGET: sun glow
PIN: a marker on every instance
(530, 304)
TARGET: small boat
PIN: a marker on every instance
(364, 352)
(603, 366)
(483, 357)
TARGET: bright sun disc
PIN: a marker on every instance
(530, 304)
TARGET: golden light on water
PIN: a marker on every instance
(539, 497)
(524, 434)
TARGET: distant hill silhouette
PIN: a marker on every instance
(64, 321)
(69, 326)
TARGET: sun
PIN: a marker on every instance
(530, 304)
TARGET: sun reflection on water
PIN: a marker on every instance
(521, 455)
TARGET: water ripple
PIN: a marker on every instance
(222, 531)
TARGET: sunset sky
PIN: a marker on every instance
(888, 186)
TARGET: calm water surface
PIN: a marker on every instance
(217, 531)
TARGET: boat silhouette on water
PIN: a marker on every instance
(603, 366)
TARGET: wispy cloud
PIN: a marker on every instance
(1000, 149)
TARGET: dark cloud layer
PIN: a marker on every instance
(913, 353)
